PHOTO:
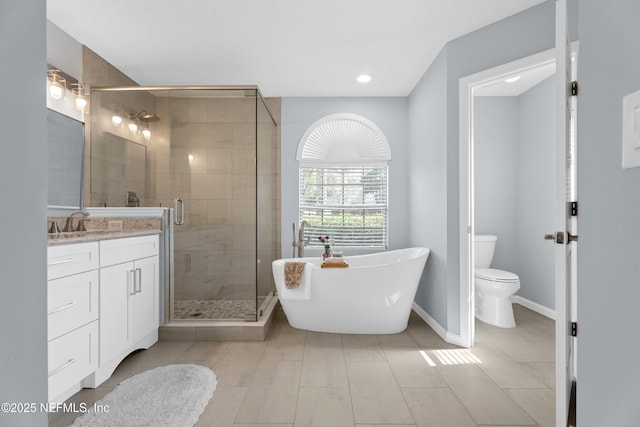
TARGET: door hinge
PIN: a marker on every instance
(574, 329)
(574, 88)
(573, 208)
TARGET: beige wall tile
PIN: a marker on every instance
(231, 110)
(219, 160)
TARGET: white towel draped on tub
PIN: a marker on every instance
(303, 289)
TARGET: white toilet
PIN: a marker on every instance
(493, 287)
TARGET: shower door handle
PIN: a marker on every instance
(179, 220)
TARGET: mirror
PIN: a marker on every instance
(118, 172)
(66, 154)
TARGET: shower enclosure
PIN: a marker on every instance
(210, 154)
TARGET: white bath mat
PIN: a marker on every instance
(172, 395)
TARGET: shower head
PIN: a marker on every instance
(144, 116)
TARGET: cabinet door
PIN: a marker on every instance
(116, 310)
(146, 300)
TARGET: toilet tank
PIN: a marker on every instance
(485, 245)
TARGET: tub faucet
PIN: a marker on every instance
(301, 243)
(69, 224)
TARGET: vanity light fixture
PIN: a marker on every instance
(81, 95)
(57, 85)
(512, 79)
(133, 128)
(116, 120)
(146, 133)
(364, 78)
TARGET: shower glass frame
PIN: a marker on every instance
(108, 101)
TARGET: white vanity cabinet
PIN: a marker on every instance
(72, 317)
(129, 298)
(103, 303)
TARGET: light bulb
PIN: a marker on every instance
(364, 78)
(56, 91)
(190, 158)
(133, 128)
(81, 102)
(146, 133)
(57, 85)
(116, 120)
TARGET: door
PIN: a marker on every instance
(116, 289)
(146, 297)
(564, 237)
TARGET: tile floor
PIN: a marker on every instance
(299, 378)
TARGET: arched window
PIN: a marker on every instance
(343, 163)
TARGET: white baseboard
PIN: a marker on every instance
(447, 336)
(455, 339)
(534, 306)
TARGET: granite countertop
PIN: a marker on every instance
(94, 236)
(98, 229)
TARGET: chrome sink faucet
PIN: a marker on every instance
(69, 224)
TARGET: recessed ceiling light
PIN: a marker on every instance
(512, 79)
(364, 78)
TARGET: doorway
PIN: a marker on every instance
(509, 79)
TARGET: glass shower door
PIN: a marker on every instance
(213, 174)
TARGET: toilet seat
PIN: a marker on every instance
(495, 275)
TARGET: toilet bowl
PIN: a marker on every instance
(493, 296)
(493, 287)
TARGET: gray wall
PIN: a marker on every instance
(536, 193)
(63, 51)
(514, 141)
(23, 165)
(608, 267)
(521, 35)
(389, 114)
(428, 184)
(496, 139)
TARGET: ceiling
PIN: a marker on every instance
(287, 47)
(524, 80)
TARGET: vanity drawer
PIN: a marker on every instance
(117, 251)
(65, 260)
(72, 357)
(72, 302)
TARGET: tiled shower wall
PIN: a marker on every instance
(117, 161)
(215, 249)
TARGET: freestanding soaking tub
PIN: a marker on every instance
(372, 296)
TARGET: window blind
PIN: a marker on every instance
(349, 204)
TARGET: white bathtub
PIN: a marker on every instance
(372, 296)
